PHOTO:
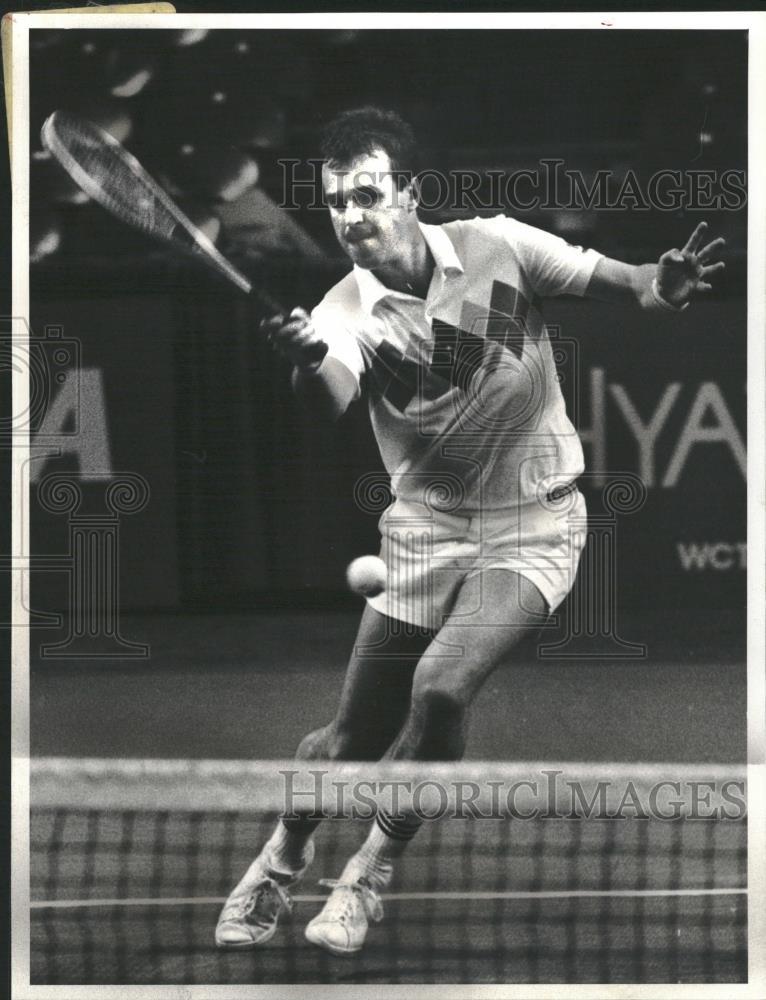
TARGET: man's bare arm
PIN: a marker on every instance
(671, 283)
(329, 390)
(326, 386)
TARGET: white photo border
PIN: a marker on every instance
(755, 24)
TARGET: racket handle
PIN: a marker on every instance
(200, 243)
(270, 304)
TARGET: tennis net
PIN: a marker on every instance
(531, 873)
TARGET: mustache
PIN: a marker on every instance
(357, 235)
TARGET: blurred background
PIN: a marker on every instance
(152, 368)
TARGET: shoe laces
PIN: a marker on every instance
(265, 901)
(340, 905)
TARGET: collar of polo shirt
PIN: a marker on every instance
(371, 290)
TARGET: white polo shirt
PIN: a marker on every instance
(462, 388)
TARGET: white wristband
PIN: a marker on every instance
(663, 303)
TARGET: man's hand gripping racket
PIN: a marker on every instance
(295, 338)
(115, 179)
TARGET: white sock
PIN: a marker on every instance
(374, 859)
(289, 847)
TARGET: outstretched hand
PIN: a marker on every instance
(683, 274)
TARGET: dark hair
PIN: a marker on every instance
(359, 132)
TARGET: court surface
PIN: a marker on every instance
(251, 685)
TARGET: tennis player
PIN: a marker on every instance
(440, 328)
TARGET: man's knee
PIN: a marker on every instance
(438, 691)
(335, 742)
(316, 745)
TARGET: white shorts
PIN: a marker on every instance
(429, 554)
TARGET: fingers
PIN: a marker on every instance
(693, 252)
(291, 327)
(294, 337)
(271, 323)
(712, 250)
(278, 328)
(696, 238)
(712, 269)
(290, 337)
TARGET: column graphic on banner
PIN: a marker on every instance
(92, 564)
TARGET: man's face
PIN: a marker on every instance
(370, 215)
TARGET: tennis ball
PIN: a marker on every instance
(367, 576)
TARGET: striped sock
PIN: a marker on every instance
(386, 841)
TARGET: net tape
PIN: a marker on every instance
(663, 791)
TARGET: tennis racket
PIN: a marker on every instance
(114, 179)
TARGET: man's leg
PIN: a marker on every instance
(376, 689)
(372, 708)
(373, 704)
(493, 614)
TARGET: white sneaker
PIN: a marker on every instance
(250, 915)
(341, 926)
